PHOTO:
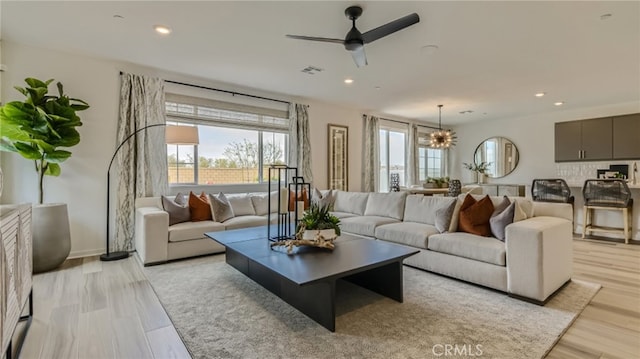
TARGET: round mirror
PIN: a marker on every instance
(501, 154)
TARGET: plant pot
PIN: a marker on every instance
(51, 236)
(310, 234)
(429, 185)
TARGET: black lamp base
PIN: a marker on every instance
(114, 256)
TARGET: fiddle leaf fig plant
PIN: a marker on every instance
(39, 126)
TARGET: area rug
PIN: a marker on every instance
(220, 313)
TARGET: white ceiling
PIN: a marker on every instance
(492, 56)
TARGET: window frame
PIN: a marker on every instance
(398, 128)
(269, 121)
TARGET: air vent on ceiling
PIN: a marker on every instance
(311, 70)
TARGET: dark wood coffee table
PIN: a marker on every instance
(307, 279)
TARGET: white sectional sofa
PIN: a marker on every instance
(532, 263)
(157, 242)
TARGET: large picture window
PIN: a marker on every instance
(431, 161)
(235, 146)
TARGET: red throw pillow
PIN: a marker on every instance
(199, 207)
(475, 215)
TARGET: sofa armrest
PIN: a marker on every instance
(539, 256)
(550, 209)
(152, 234)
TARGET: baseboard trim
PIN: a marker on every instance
(85, 253)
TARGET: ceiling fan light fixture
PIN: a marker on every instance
(442, 138)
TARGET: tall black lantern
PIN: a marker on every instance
(290, 186)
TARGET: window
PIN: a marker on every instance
(392, 156)
(235, 146)
(431, 161)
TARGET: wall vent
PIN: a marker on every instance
(311, 70)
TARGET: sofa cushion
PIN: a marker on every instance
(422, 209)
(474, 216)
(192, 230)
(386, 205)
(220, 207)
(244, 222)
(199, 207)
(364, 225)
(484, 249)
(343, 214)
(500, 220)
(350, 202)
(261, 202)
(178, 209)
(526, 204)
(408, 233)
(241, 204)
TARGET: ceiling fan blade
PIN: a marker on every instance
(312, 38)
(359, 56)
(390, 28)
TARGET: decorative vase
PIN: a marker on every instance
(51, 236)
(310, 234)
(480, 177)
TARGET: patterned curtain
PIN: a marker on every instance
(142, 161)
(412, 157)
(299, 141)
(371, 154)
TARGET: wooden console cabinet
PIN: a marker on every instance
(15, 272)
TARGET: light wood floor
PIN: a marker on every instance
(92, 309)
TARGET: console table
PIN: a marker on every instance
(15, 274)
(498, 189)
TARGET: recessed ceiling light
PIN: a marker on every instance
(540, 94)
(118, 16)
(429, 49)
(377, 87)
(348, 81)
(161, 29)
(559, 103)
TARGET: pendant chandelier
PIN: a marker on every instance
(441, 138)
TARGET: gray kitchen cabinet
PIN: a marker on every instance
(568, 140)
(585, 140)
(626, 137)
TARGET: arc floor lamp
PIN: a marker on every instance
(174, 135)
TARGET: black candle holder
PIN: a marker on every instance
(287, 179)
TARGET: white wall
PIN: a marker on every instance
(83, 180)
(534, 137)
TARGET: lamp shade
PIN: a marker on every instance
(182, 135)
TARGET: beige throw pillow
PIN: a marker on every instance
(220, 207)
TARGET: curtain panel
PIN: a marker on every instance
(299, 141)
(412, 157)
(371, 154)
(142, 161)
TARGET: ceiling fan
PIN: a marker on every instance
(355, 40)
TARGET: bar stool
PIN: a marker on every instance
(551, 190)
(607, 194)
